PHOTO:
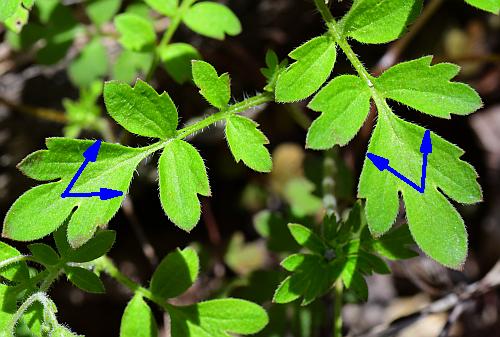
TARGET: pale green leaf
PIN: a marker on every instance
(216, 89)
(344, 105)
(101, 11)
(246, 142)
(90, 65)
(428, 88)
(492, 6)
(129, 64)
(84, 279)
(8, 8)
(434, 223)
(314, 63)
(299, 194)
(182, 176)
(113, 169)
(217, 318)
(184, 264)
(8, 304)
(165, 7)
(137, 33)
(17, 21)
(138, 319)
(176, 58)
(378, 21)
(140, 109)
(212, 19)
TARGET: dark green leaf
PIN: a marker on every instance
(44, 253)
(84, 279)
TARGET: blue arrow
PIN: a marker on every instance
(90, 155)
(382, 163)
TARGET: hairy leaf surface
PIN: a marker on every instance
(216, 89)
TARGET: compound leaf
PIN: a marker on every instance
(344, 105)
(217, 318)
(492, 6)
(314, 63)
(378, 21)
(140, 109)
(216, 89)
(428, 88)
(113, 169)
(182, 176)
(212, 19)
(137, 33)
(138, 319)
(184, 264)
(165, 7)
(246, 142)
(434, 223)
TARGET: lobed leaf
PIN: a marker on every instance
(314, 63)
(140, 109)
(184, 264)
(138, 319)
(428, 88)
(113, 169)
(344, 105)
(434, 223)
(212, 19)
(216, 89)
(217, 318)
(137, 33)
(246, 142)
(378, 21)
(182, 176)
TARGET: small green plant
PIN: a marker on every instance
(335, 253)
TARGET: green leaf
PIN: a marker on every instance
(17, 21)
(113, 169)
(90, 65)
(129, 64)
(273, 227)
(359, 286)
(137, 33)
(8, 8)
(182, 176)
(246, 142)
(306, 238)
(62, 331)
(314, 63)
(492, 6)
(344, 105)
(394, 245)
(165, 7)
(96, 247)
(140, 109)
(434, 223)
(44, 253)
(176, 58)
(212, 19)
(299, 194)
(378, 21)
(217, 318)
(8, 303)
(428, 88)
(102, 11)
(216, 89)
(15, 272)
(184, 264)
(84, 279)
(138, 319)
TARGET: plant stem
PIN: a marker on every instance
(167, 37)
(337, 309)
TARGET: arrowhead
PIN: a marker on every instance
(380, 162)
(106, 193)
(426, 146)
(91, 153)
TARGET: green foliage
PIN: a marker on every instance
(176, 59)
(84, 279)
(137, 33)
(212, 19)
(428, 88)
(314, 63)
(140, 109)
(138, 320)
(15, 272)
(216, 89)
(85, 112)
(102, 11)
(44, 254)
(182, 176)
(378, 21)
(90, 65)
(129, 64)
(492, 6)
(246, 142)
(165, 7)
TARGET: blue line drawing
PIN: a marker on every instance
(90, 155)
(425, 148)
